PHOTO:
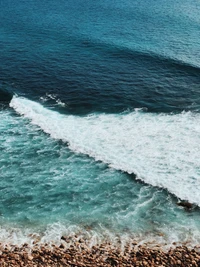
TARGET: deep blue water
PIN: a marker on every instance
(99, 119)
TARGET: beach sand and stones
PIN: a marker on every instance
(78, 254)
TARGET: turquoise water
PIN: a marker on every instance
(99, 120)
(46, 182)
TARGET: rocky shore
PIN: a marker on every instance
(78, 254)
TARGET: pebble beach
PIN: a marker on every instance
(78, 254)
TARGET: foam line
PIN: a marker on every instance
(161, 149)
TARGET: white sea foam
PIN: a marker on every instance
(161, 149)
(53, 97)
(53, 234)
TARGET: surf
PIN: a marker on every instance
(160, 149)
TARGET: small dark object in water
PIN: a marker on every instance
(187, 205)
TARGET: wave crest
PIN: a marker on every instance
(161, 149)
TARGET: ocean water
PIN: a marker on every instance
(99, 120)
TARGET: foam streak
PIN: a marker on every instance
(162, 150)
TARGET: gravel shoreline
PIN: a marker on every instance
(78, 254)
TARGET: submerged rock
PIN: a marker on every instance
(187, 205)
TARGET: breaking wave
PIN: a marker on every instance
(160, 149)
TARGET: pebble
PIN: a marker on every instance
(101, 255)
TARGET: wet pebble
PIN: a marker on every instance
(103, 255)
